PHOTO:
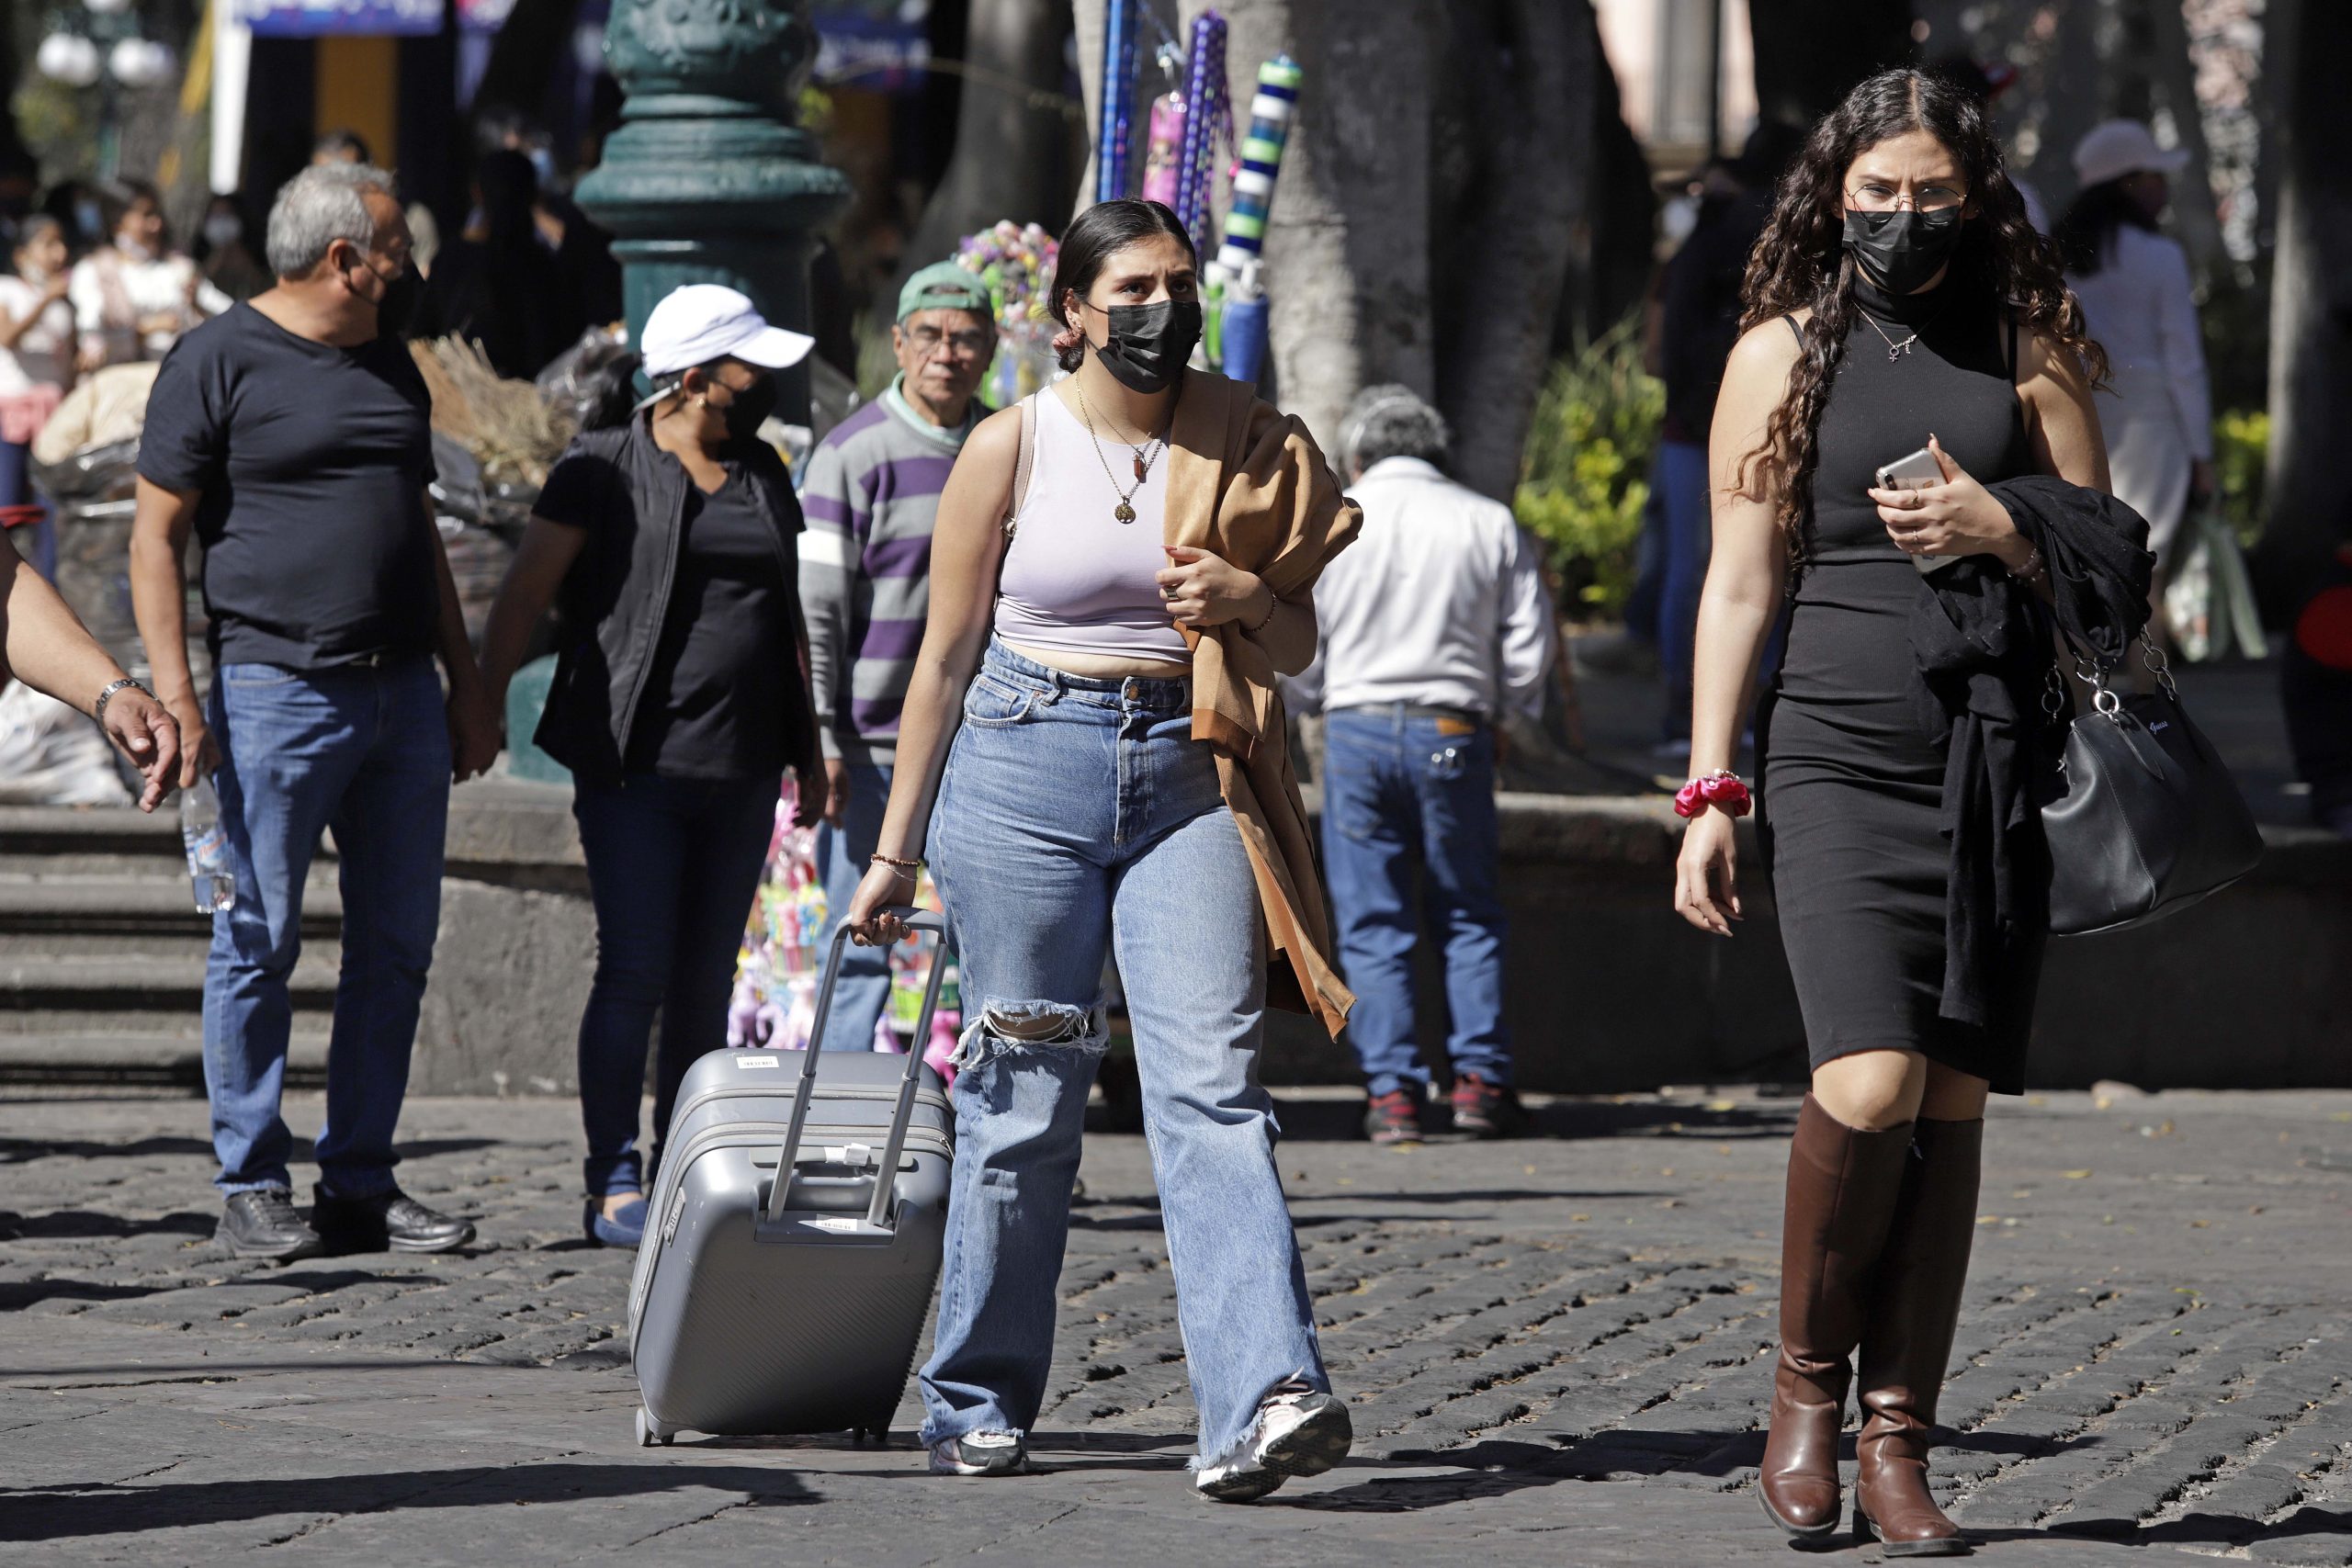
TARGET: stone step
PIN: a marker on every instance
(161, 905)
(112, 831)
(172, 982)
(184, 1024)
(171, 1061)
(53, 830)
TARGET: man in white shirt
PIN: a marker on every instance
(1435, 628)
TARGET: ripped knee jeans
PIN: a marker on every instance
(1077, 820)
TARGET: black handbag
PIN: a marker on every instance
(2142, 815)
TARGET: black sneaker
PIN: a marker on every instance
(389, 1222)
(1394, 1118)
(1486, 1109)
(265, 1223)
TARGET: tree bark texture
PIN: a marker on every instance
(1009, 135)
(1810, 53)
(1500, 240)
(2173, 74)
(2311, 337)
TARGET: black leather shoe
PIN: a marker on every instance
(265, 1223)
(388, 1222)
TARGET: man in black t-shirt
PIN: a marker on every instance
(290, 433)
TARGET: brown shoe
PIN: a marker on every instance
(1907, 1343)
(1842, 1188)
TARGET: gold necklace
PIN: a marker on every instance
(1126, 511)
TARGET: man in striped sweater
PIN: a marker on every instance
(871, 498)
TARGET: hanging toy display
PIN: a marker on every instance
(1241, 336)
(1017, 263)
(1208, 121)
(1161, 175)
(786, 944)
(1120, 20)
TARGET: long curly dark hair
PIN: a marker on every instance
(1800, 261)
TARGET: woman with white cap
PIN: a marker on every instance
(678, 703)
(2133, 284)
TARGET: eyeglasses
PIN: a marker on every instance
(928, 341)
(1873, 196)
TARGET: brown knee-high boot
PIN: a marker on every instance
(1906, 1341)
(1843, 1184)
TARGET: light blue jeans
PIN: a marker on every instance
(844, 857)
(365, 751)
(1074, 815)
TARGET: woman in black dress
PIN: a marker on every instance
(1898, 298)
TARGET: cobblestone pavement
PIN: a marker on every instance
(1554, 1350)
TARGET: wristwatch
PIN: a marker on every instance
(99, 710)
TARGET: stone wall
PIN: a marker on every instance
(1610, 991)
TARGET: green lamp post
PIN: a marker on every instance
(708, 180)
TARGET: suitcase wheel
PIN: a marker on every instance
(649, 1431)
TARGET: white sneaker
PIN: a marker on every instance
(980, 1453)
(1296, 1433)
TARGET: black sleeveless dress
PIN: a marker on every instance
(1850, 785)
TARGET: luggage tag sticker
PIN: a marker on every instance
(755, 1060)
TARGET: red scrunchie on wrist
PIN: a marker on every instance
(1717, 789)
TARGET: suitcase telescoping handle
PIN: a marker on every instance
(886, 1174)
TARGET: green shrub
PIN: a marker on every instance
(2241, 452)
(1585, 477)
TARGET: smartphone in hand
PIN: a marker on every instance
(1917, 472)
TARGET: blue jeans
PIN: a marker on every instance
(864, 989)
(1400, 796)
(673, 865)
(1689, 531)
(365, 751)
(1078, 815)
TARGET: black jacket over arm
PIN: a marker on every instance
(1983, 651)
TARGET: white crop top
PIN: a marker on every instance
(1075, 578)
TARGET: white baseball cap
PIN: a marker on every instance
(702, 321)
(2118, 147)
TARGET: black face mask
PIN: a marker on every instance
(1148, 345)
(750, 409)
(1901, 251)
(396, 312)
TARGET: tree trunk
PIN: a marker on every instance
(1810, 53)
(1009, 135)
(2068, 108)
(1501, 243)
(2311, 336)
(1347, 238)
(2174, 76)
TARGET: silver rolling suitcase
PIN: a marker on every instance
(793, 1236)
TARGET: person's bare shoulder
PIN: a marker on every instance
(1764, 353)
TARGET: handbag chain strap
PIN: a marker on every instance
(2092, 673)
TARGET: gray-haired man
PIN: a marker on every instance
(290, 434)
(1434, 626)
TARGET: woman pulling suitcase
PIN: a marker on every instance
(1120, 568)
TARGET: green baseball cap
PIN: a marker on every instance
(946, 286)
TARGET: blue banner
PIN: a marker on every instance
(320, 18)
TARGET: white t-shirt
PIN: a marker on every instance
(47, 346)
(114, 290)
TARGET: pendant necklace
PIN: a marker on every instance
(1146, 455)
(1895, 350)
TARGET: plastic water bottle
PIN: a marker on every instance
(207, 848)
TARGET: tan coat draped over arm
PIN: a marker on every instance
(1247, 483)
